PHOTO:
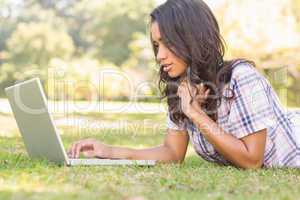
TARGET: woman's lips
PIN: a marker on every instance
(167, 68)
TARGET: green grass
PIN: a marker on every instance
(23, 178)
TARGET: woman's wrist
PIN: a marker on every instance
(191, 112)
(119, 153)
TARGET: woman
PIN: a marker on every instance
(226, 108)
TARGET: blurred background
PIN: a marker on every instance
(68, 44)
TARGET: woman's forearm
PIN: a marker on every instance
(160, 153)
(233, 149)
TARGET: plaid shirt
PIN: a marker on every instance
(254, 107)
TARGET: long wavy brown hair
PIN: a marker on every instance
(190, 30)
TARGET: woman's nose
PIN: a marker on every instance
(161, 54)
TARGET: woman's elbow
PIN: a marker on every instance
(176, 160)
(172, 161)
(258, 164)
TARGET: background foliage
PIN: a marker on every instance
(77, 39)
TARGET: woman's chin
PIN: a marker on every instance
(173, 75)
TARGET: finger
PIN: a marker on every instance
(74, 146)
(78, 149)
(73, 149)
(190, 88)
(89, 154)
(200, 99)
(206, 93)
(200, 88)
(69, 151)
(86, 145)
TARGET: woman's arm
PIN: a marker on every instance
(247, 152)
(172, 150)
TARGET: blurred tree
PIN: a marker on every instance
(62, 13)
(33, 32)
(112, 24)
(272, 40)
(141, 54)
(37, 43)
(248, 38)
(7, 22)
(61, 7)
(94, 25)
(31, 47)
(141, 67)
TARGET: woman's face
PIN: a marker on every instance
(171, 64)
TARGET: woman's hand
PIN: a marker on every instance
(90, 148)
(192, 98)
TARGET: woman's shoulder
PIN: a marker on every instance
(244, 69)
(245, 72)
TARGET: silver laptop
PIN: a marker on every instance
(41, 137)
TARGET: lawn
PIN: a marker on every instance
(22, 178)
